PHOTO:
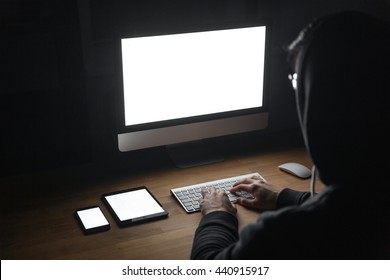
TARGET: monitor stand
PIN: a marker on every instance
(191, 154)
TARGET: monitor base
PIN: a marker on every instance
(191, 154)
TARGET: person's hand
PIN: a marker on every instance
(216, 200)
(265, 195)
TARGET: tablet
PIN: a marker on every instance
(92, 219)
(134, 206)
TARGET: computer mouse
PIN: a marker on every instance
(296, 169)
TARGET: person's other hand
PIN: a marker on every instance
(216, 200)
(265, 195)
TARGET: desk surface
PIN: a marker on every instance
(37, 219)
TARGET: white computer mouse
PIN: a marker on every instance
(296, 169)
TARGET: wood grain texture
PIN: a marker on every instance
(37, 219)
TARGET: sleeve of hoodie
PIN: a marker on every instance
(217, 233)
(289, 197)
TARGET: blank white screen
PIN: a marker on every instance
(92, 218)
(183, 75)
(133, 204)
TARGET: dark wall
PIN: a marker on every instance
(58, 68)
(101, 20)
(43, 106)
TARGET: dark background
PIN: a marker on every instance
(57, 77)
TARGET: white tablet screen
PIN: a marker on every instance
(133, 204)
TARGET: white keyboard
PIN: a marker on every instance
(188, 196)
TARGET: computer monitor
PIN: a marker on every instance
(189, 86)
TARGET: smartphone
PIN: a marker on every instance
(92, 219)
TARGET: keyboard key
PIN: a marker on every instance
(189, 196)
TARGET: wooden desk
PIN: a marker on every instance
(37, 219)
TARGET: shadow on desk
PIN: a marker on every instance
(37, 219)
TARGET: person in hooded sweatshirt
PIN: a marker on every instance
(340, 74)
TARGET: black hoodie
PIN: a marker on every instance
(342, 96)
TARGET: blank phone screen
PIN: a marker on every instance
(92, 218)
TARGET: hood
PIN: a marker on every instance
(342, 96)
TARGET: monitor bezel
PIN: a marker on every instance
(182, 29)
